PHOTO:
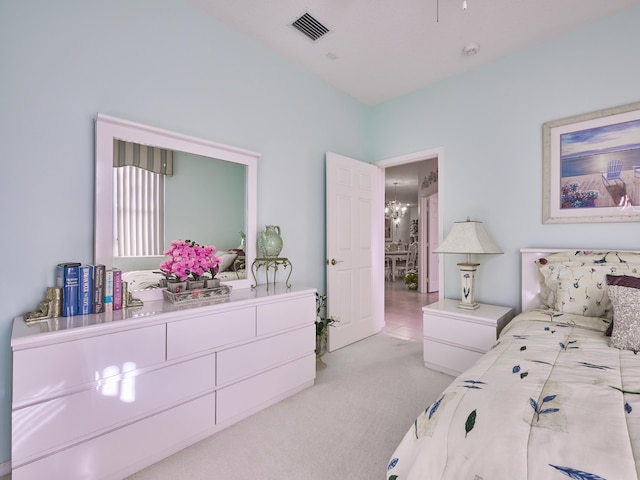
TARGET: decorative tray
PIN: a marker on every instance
(197, 295)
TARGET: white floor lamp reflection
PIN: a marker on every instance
(468, 238)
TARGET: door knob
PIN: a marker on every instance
(333, 261)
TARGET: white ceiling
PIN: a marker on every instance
(387, 48)
(407, 178)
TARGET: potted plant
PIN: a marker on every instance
(411, 279)
(322, 325)
(188, 261)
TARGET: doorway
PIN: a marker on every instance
(413, 185)
(412, 182)
(403, 311)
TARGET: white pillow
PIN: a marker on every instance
(141, 279)
(227, 260)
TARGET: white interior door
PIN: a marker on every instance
(433, 233)
(354, 233)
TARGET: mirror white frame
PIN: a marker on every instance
(109, 128)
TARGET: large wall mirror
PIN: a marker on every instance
(209, 197)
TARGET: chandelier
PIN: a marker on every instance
(394, 209)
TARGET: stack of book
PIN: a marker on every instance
(90, 288)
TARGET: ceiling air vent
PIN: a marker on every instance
(310, 27)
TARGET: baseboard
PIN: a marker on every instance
(5, 468)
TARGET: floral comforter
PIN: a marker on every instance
(550, 400)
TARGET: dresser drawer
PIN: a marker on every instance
(239, 362)
(276, 316)
(249, 396)
(210, 331)
(110, 404)
(475, 336)
(40, 371)
(126, 450)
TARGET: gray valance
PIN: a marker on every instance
(154, 159)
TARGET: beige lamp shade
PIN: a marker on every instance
(467, 238)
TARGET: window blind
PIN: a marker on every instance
(138, 212)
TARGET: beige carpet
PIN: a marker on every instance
(345, 427)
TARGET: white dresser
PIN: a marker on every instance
(103, 396)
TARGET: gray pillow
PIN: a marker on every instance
(227, 260)
(624, 292)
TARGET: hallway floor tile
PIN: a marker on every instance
(403, 310)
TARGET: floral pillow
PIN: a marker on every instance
(549, 282)
(548, 273)
(582, 290)
(574, 281)
(624, 292)
(590, 256)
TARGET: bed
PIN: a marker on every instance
(555, 397)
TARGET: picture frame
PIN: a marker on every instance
(387, 230)
(591, 167)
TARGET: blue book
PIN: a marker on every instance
(68, 277)
(85, 300)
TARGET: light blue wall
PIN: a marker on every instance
(489, 123)
(209, 206)
(164, 63)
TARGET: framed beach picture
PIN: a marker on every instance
(591, 170)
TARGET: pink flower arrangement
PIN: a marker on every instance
(187, 260)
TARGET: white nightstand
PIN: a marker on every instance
(454, 338)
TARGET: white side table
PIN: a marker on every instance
(454, 338)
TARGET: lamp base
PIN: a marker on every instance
(467, 283)
(469, 306)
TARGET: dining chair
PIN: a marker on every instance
(400, 269)
(412, 257)
(387, 268)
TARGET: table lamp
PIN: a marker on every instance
(467, 238)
